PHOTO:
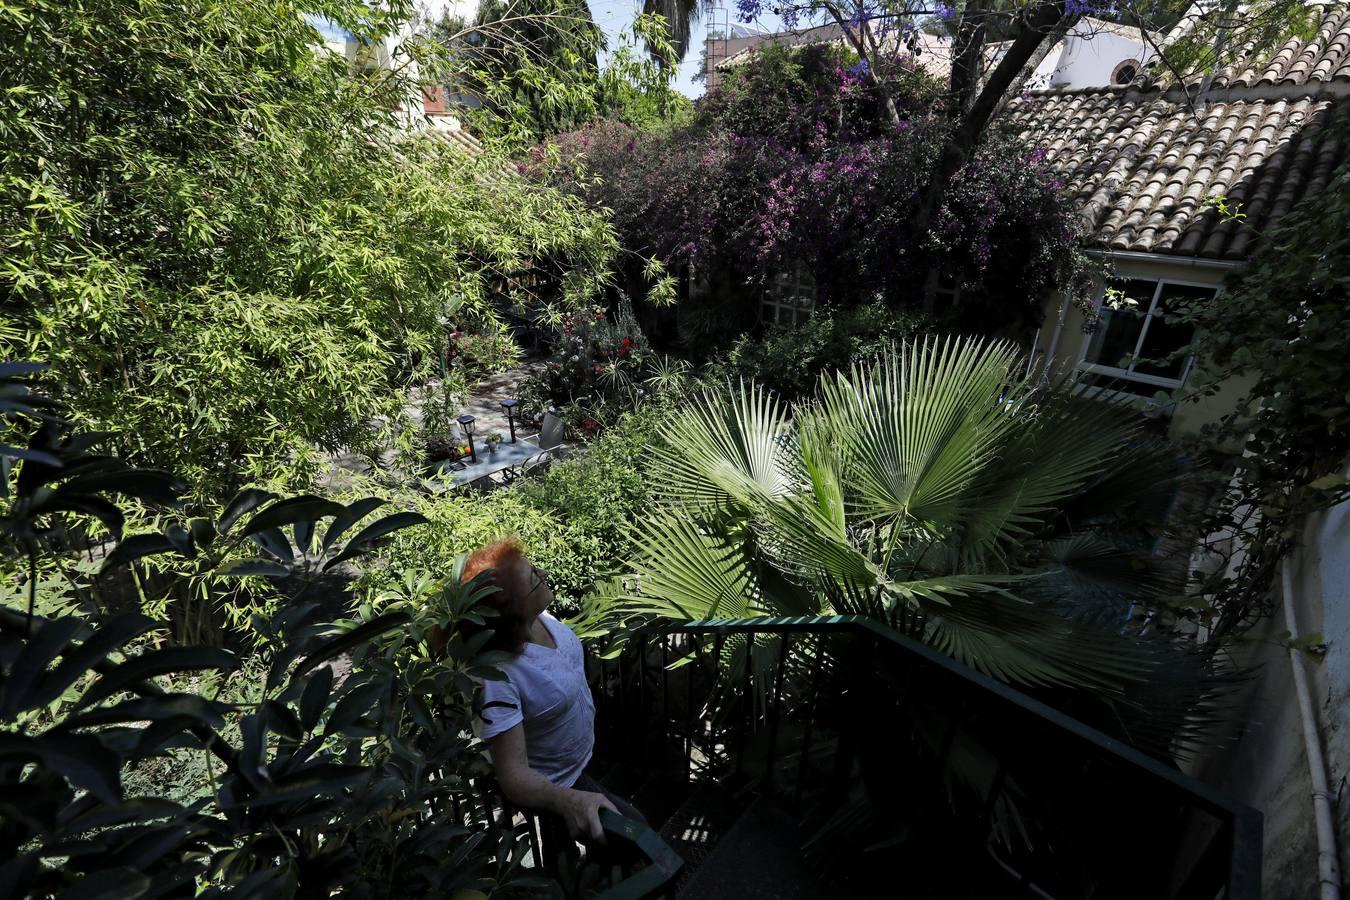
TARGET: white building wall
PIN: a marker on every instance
(1087, 57)
(1090, 57)
(1264, 763)
(1059, 348)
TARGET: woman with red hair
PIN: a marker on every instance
(539, 724)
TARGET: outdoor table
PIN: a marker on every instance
(507, 457)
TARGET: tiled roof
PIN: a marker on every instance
(1143, 162)
(456, 136)
(1322, 59)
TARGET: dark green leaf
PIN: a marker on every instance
(38, 456)
(315, 697)
(368, 535)
(282, 720)
(30, 667)
(353, 705)
(80, 758)
(136, 547)
(274, 542)
(151, 709)
(115, 633)
(20, 368)
(354, 513)
(256, 567)
(244, 502)
(362, 634)
(203, 532)
(153, 663)
(326, 779)
(290, 510)
(182, 542)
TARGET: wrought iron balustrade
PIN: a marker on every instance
(961, 785)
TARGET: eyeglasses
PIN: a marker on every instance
(538, 579)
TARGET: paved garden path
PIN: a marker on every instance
(483, 403)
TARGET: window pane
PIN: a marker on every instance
(1118, 329)
(1162, 339)
(1122, 385)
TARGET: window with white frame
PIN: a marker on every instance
(1133, 347)
(789, 297)
(948, 292)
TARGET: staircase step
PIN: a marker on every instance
(694, 829)
(758, 858)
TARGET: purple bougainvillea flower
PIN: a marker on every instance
(749, 10)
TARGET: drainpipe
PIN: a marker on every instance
(1059, 329)
(1328, 866)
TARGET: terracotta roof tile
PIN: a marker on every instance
(1323, 58)
(1142, 164)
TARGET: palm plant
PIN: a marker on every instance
(680, 17)
(941, 490)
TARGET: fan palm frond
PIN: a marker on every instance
(1023, 643)
(680, 16)
(915, 427)
(686, 570)
(726, 447)
(936, 489)
(1061, 443)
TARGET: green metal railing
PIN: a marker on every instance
(986, 791)
(638, 863)
(657, 867)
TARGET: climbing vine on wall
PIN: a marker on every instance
(1284, 322)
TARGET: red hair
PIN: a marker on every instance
(499, 560)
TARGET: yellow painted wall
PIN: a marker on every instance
(1188, 416)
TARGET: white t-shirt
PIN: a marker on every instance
(547, 691)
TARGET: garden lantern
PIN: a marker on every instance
(510, 407)
(466, 422)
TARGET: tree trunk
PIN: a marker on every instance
(974, 100)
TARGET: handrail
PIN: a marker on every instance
(1210, 799)
(1243, 861)
(662, 863)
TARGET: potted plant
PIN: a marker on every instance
(441, 448)
(493, 440)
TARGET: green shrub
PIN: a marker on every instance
(230, 251)
(572, 520)
(598, 493)
(344, 760)
(791, 360)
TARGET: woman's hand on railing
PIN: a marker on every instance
(581, 811)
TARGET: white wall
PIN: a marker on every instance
(1264, 764)
(1087, 57)
(1090, 57)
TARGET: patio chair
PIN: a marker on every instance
(548, 440)
(550, 432)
